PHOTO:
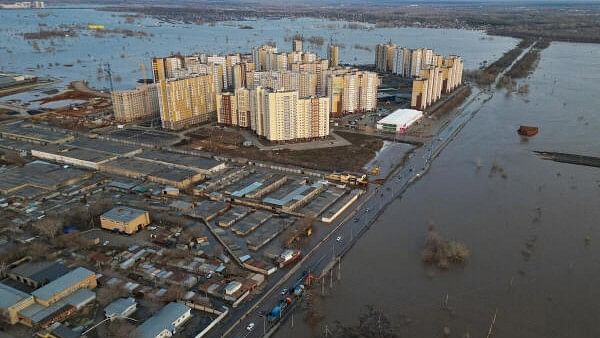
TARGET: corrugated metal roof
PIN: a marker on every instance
(64, 282)
(163, 320)
(10, 296)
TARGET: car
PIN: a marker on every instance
(250, 327)
(339, 238)
(209, 276)
(106, 243)
(355, 220)
(284, 292)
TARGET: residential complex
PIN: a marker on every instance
(435, 80)
(282, 96)
(433, 74)
(351, 90)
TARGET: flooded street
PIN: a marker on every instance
(530, 224)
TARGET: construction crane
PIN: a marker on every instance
(108, 72)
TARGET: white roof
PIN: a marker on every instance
(402, 117)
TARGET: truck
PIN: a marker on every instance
(355, 179)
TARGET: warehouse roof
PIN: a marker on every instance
(119, 306)
(123, 214)
(88, 155)
(41, 272)
(62, 283)
(10, 296)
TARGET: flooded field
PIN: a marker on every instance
(84, 55)
(530, 224)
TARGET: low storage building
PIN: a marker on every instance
(122, 307)
(11, 302)
(125, 219)
(166, 322)
(399, 120)
(80, 278)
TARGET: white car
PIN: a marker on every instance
(250, 327)
(339, 238)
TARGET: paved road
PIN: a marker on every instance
(354, 223)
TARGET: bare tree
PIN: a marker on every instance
(174, 293)
(121, 328)
(48, 227)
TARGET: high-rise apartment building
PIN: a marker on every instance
(261, 56)
(227, 109)
(186, 101)
(333, 55)
(297, 45)
(384, 57)
(350, 90)
(138, 104)
(435, 80)
(283, 116)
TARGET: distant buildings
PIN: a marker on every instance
(433, 74)
(138, 104)
(24, 5)
(125, 219)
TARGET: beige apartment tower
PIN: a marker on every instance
(138, 104)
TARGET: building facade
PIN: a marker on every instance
(137, 104)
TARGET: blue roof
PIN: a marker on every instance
(62, 283)
(10, 296)
(163, 320)
(250, 188)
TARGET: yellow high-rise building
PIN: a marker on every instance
(333, 55)
(186, 101)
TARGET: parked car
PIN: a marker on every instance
(250, 327)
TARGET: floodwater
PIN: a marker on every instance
(85, 53)
(546, 208)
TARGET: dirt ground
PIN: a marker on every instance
(346, 158)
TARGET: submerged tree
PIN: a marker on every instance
(371, 323)
(442, 252)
